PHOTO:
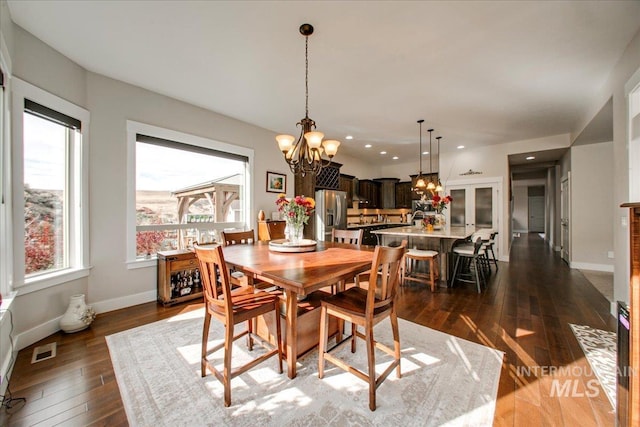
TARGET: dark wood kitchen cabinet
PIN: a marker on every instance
(403, 195)
(387, 192)
(346, 185)
(369, 193)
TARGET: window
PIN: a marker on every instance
(187, 189)
(50, 188)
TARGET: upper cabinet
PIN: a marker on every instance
(369, 194)
(403, 194)
(346, 185)
(387, 192)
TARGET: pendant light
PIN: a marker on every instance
(421, 185)
(430, 186)
(438, 184)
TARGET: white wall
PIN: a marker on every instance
(520, 219)
(591, 200)
(111, 103)
(628, 64)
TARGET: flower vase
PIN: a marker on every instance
(78, 315)
(294, 232)
(441, 220)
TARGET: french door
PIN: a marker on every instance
(475, 205)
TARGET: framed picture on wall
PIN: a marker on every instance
(276, 182)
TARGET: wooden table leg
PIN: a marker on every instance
(292, 335)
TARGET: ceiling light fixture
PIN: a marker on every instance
(460, 147)
(530, 157)
(383, 152)
(430, 186)
(348, 137)
(395, 157)
(438, 184)
(421, 185)
(367, 146)
(306, 155)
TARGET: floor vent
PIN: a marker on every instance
(44, 352)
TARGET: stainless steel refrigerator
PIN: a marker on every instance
(331, 212)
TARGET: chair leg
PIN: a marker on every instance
(354, 329)
(478, 272)
(278, 334)
(455, 271)
(249, 335)
(432, 276)
(324, 336)
(205, 339)
(371, 359)
(226, 374)
(396, 340)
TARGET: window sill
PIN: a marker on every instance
(44, 281)
(142, 263)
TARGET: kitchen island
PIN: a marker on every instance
(368, 238)
(440, 240)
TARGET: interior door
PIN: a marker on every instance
(474, 205)
(565, 212)
(536, 214)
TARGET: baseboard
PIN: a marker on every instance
(52, 326)
(35, 334)
(589, 266)
(520, 231)
(124, 302)
(504, 258)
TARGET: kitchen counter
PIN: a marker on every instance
(445, 233)
(373, 224)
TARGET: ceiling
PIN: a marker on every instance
(478, 72)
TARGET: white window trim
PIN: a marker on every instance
(6, 254)
(79, 209)
(134, 128)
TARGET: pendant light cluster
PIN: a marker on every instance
(432, 185)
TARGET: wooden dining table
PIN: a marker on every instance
(299, 274)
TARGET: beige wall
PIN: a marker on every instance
(591, 200)
(628, 64)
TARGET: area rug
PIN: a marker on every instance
(600, 349)
(446, 381)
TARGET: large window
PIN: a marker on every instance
(49, 190)
(187, 189)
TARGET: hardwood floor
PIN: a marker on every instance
(525, 312)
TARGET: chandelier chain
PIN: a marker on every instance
(306, 76)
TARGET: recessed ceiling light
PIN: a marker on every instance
(531, 157)
(348, 137)
(395, 157)
(424, 153)
(460, 147)
(367, 146)
(383, 152)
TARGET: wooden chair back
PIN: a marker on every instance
(216, 282)
(237, 237)
(353, 237)
(384, 278)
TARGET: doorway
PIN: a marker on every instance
(536, 209)
(565, 214)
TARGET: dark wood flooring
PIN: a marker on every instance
(525, 312)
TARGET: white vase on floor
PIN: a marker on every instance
(78, 315)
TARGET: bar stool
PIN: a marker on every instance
(431, 258)
(471, 256)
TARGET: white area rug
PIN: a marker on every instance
(600, 348)
(445, 381)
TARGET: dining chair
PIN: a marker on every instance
(366, 308)
(228, 238)
(353, 237)
(232, 308)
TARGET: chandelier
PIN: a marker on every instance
(305, 156)
(421, 184)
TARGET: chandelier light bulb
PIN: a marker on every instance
(285, 142)
(314, 139)
(331, 147)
